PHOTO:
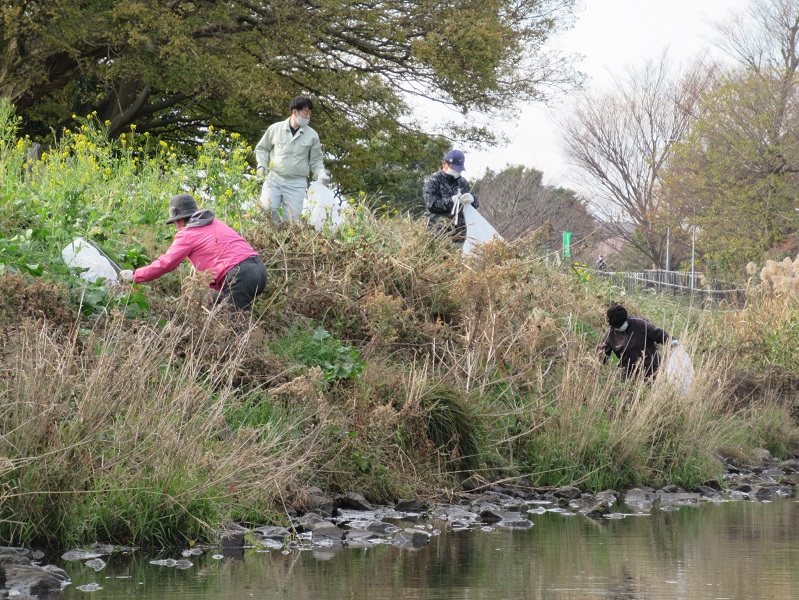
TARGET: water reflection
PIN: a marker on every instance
(739, 550)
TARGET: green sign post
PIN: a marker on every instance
(567, 240)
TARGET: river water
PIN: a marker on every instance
(734, 550)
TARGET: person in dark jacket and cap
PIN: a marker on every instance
(633, 340)
(445, 193)
(210, 245)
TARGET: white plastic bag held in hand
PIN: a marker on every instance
(478, 230)
(82, 254)
(680, 369)
(321, 206)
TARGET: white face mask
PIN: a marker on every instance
(623, 327)
(303, 121)
(452, 172)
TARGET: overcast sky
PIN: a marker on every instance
(612, 36)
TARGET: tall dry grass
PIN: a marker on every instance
(120, 432)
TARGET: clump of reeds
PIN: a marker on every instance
(781, 277)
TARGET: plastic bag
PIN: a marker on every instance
(680, 369)
(321, 206)
(82, 254)
(478, 230)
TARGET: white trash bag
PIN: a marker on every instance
(478, 230)
(680, 369)
(82, 254)
(321, 206)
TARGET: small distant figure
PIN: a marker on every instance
(633, 340)
(600, 264)
(445, 193)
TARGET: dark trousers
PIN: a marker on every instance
(241, 285)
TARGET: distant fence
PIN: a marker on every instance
(678, 282)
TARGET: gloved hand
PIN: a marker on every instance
(260, 172)
(675, 341)
(126, 275)
(323, 177)
(467, 198)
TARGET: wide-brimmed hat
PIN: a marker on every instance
(181, 207)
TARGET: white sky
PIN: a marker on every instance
(612, 36)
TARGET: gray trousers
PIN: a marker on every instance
(241, 285)
(284, 197)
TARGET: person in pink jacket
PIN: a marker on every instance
(210, 245)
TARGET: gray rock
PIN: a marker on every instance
(678, 499)
(599, 510)
(98, 564)
(569, 492)
(517, 523)
(275, 533)
(14, 556)
(381, 528)
(325, 532)
(707, 492)
(411, 505)
(471, 483)
(790, 466)
(763, 494)
(791, 479)
(411, 540)
(232, 539)
(491, 515)
(309, 519)
(59, 573)
(31, 582)
(481, 505)
(359, 539)
(70, 555)
(639, 498)
(607, 496)
(352, 501)
(271, 543)
(762, 456)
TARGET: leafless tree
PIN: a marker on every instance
(765, 40)
(621, 141)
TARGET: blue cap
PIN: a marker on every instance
(457, 159)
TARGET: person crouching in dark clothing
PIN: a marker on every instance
(633, 341)
(445, 193)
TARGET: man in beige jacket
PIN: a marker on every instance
(286, 154)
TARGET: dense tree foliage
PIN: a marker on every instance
(173, 67)
(737, 173)
(516, 201)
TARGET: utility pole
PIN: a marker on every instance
(693, 256)
(668, 240)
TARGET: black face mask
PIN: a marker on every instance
(623, 327)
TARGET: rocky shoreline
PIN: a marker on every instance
(329, 524)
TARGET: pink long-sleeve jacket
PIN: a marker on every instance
(208, 243)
